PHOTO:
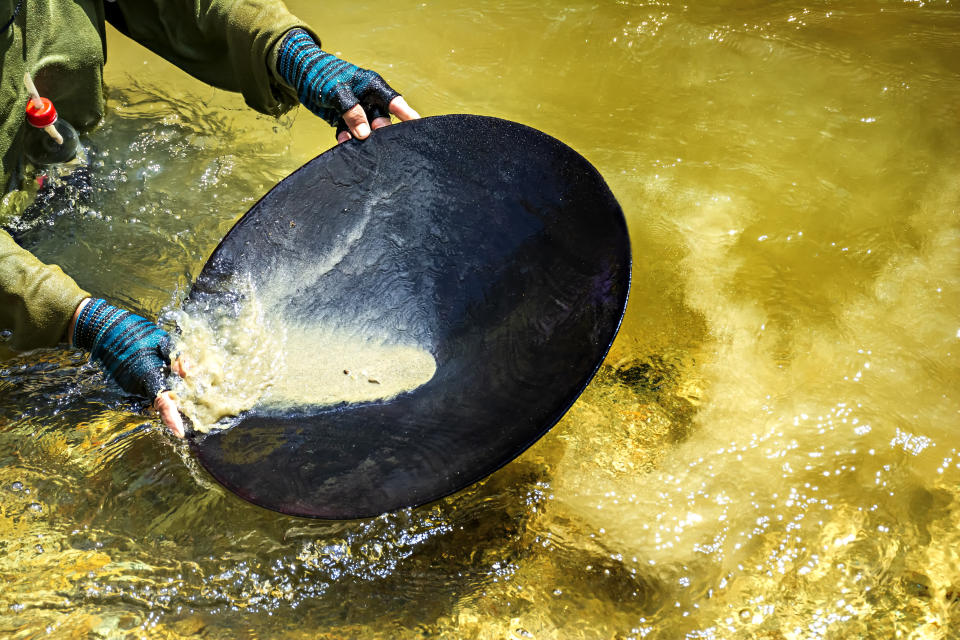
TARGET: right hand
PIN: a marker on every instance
(353, 99)
(133, 350)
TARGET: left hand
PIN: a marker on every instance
(133, 350)
(339, 92)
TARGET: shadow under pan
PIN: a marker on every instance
(492, 245)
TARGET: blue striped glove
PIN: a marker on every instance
(133, 350)
(327, 85)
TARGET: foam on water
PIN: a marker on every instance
(250, 356)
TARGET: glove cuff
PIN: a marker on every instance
(93, 318)
(322, 81)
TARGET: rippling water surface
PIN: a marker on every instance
(770, 451)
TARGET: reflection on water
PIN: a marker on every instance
(770, 450)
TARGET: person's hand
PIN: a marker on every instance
(353, 99)
(133, 350)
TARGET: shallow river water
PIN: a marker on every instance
(771, 449)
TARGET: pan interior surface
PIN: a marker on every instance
(484, 264)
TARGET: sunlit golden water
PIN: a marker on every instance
(770, 451)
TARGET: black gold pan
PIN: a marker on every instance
(493, 246)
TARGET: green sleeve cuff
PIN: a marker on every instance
(273, 56)
(37, 300)
(257, 30)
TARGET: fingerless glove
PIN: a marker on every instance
(327, 85)
(133, 350)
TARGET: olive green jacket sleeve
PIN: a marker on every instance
(226, 43)
(37, 300)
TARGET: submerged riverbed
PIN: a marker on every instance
(771, 449)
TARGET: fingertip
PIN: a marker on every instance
(356, 121)
(400, 108)
(174, 422)
(379, 123)
(343, 136)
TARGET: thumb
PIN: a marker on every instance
(166, 406)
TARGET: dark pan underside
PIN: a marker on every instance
(492, 245)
